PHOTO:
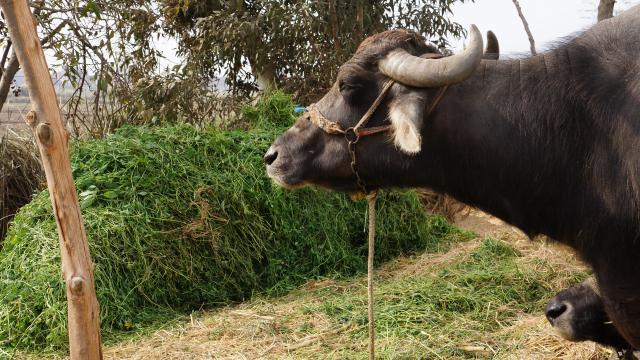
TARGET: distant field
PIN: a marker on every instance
(13, 113)
(10, 125)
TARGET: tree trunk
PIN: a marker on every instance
(5, 55)
(46, 122)
(7, 78)
(333, 20)
(605, 9)
(8, 74)
(359, 33)
(532, 42)
(265, 77)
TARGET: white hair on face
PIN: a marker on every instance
(406, 114)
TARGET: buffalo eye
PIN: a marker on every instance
(346, 87)
(352, 91)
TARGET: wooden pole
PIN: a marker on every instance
(46, 121)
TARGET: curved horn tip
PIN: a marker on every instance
(491, 37)
(419, 72)
(492, 49)
(475, 37)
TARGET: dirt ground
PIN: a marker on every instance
(254, 330)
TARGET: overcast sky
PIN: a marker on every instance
(549, 20)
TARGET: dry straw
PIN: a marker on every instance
(20, 175)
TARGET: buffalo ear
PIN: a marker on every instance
(406, 115)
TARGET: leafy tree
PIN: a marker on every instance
(98, 46)
(106, 53)
(295, 45)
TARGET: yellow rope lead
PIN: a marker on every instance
(371, 199)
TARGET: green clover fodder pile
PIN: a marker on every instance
(180, 219)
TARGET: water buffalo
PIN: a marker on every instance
(550, 143)
(578, 314)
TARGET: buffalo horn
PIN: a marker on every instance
(492, 51)
(419, 72)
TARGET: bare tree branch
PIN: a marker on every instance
(52, 33)
(12, 68)
(5, 55)
(526, 27)
(86, 43)
(358, 36)
(7, 78)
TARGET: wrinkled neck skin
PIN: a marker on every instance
(476, 151)
(480, 149)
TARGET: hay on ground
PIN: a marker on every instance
(442, 204)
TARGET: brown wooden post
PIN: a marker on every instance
(52, 137)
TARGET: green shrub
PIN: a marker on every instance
(180, 219)
(273, 109)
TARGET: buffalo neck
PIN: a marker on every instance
(513, 140)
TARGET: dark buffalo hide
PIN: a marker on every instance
(550, 143)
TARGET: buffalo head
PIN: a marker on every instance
(305, 154)
(578, 314)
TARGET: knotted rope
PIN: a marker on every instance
(352, 135)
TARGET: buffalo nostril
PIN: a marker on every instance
(554, 310)
(270, 156)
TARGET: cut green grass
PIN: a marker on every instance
(180, 219)
(481, 299)
(434, 315)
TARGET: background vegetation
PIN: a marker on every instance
(294, 45)
(105, 52)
